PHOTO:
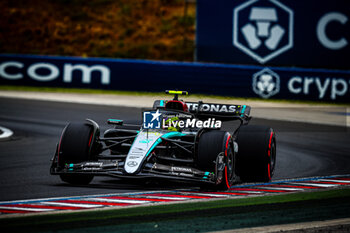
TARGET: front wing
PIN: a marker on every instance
(149, 170)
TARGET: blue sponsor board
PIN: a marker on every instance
(310, 33)
(137, 75)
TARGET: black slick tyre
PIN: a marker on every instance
(256, 158)
(211, 145)
(75, 147)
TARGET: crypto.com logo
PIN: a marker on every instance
(266, 83)
(263, 29)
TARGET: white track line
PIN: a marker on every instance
(245, 191)
(286, 189)
(168, 198)
(117, 200)
(317, 185)
(26, 209)
(84, 196)
(70, 204)
(208, 194)
(338, 181)
(250, 192)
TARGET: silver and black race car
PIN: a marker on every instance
(177, 140)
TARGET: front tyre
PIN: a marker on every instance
(215, 154)
(75, 146)
(256, 159)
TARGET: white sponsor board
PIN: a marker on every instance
(46, 72)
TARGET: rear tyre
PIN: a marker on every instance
(211, 146)
(75, 147)
(256, 158)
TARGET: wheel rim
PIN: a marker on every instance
(273, 156)
(230, 165)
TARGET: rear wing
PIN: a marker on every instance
(224, 112)
(213, 110)
(218, 109)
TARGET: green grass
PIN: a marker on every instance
(140, 93)
(314, 202)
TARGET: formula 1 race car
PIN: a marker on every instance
(177, 140)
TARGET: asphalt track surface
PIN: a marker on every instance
(303, 150)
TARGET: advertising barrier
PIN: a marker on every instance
(139, 75)
(309, 33)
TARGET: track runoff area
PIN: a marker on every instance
(94, 202)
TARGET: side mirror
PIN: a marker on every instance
(115, 122)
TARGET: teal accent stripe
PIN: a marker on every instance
(206, 174)
(243, 109)
(115, 120)
(173, 134)
(161, 103)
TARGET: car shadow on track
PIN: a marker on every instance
(132, 185)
